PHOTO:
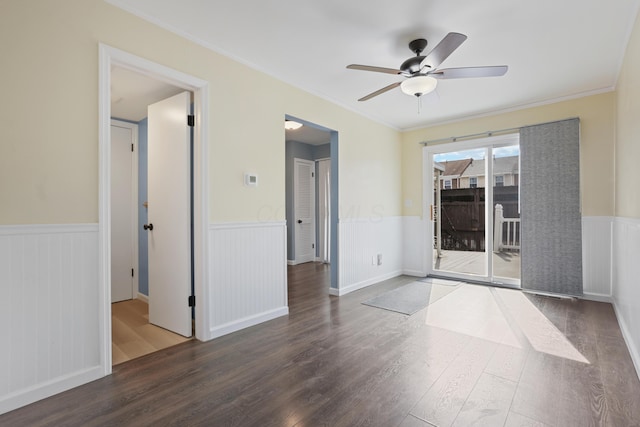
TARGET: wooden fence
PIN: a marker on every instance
(462, 216)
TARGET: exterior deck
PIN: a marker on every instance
(505, 264)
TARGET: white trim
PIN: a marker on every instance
(49, 388)
(109, 57)
(414, 273)
(246, 322)
(429, 152)
(142, 297)
(363, 284)
(590, 296)
(10, 230)
(626, 335)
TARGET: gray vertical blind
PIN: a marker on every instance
(551, 241)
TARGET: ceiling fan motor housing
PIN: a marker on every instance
(412, 65)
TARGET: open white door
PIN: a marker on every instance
(169, 209)
(304, 210)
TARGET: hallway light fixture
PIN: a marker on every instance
(291, 125)
(418, 85)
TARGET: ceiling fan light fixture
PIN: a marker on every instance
(291, 125)
(418, 85)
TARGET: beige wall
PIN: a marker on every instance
(627, 203)
(49, 120)
(597, 121)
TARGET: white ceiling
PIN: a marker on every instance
(132, 92)
(554, 49)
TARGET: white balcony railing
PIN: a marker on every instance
(506, 231)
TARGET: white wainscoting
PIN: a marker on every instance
(626, 282)
(248, 275)
(596, 257)
(49, 311)
(361, 240)
(414, 241)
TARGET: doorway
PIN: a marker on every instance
(112, 61)
(473, 204)
(311, 197)
(148, 315)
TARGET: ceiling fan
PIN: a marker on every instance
(422, 72)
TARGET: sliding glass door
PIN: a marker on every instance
(473, 203)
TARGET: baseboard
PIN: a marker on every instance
(143, 297)
(414, 273)
(635, 357)
(597, 297)
(43, 390)
(352, 288)
(236, 325)
(291, 262)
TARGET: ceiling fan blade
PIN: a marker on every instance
(469, 72)
(380, 91)
(447, 45)
(372, 68)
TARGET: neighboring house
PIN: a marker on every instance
(506, 171)
(453, 170)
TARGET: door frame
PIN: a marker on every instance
(108, 58)
(427, 197)
(134, 205)
(296, 186)
(319, 205)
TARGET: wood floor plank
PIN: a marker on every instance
(132, 334)
(537, 393)
(516, 420)
(441, 404)
(411, 421)
(507, 362)
(488, 404)
(622, 391)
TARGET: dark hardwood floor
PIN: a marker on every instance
(476, 356)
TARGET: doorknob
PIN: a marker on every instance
(299, 221)
(148, 227)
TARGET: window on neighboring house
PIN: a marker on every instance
(473, 182)
(447, 184)
(499, 180)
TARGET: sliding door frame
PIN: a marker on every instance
(428, 152)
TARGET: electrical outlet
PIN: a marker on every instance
(379, 259)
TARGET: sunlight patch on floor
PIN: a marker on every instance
(542, 334)
(473, 310)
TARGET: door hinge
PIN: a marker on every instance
(312, 174)
(192, 300)
(132, 272)
(191, 120)
(132, 148)
(313, 246)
